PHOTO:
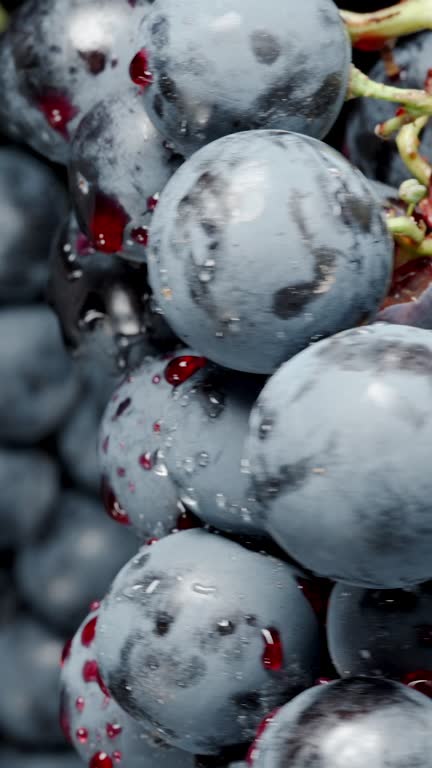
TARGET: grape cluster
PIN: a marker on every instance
(215, 380)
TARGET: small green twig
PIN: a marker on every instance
(418, 102)
(394, 124)
(408, 144)
(411, 192)
(368, 30)
(405, 226)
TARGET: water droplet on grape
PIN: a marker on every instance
(82, 735)
(100, 760)
(107, 224)
(180, 369)
(140, 236)
(145, 461)
(113, 730)
(57, 110)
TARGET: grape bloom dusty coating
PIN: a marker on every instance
(204, 430)
(137, 488)
(264, 241)
(242, 65)
(202, 638)
(94, 722)
(362, 722)
(339, 451)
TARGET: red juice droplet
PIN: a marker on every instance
(323, 681)
(180, 369)
(150, 542)
(157, 427)
(421, 681)
(272, 657)
(57, 110)
(112, 506)
(117, 756)
(94, 606)
(90, 671)
(145, 461)
(101, 760)
(107, 224)
(156, 379)
(139, 69)
(140, 236)
(89, 631)
(121, 471)
(152, 202)
(65, 653)
(80, 704)
(253, 749)
(82, 735)
(113, 730)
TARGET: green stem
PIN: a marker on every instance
(393, 125)
(418, 102)
(369, 30)
(404, 226)
(408, 144)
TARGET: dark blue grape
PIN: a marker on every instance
(129, 441)
(103, 304)
(118, 156)
(29, 482)
(343, 475)
(264, 241)
(203, 436)
(380, 159)
(30, 656)
(361, 722)
(15, 759)
(201, 638)
(241, 65)
(73, 563)
(380, 632)
(38, 383)
(66, 56)
(97, 723)
(32, 205)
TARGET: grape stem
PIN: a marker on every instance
(408, 144)
(406, 227)
(411, 192)
(373, 29)
(415, 101)
(393, 124)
